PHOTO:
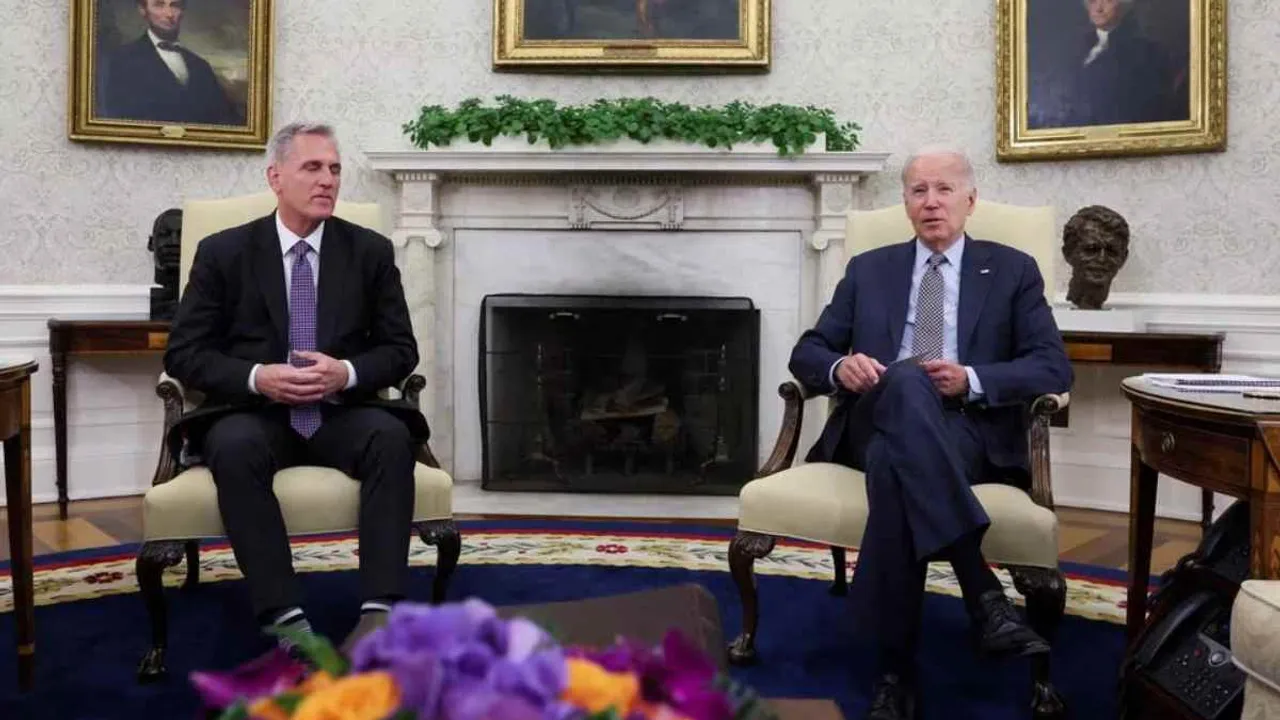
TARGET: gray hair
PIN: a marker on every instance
(282, 141)
(933, 150)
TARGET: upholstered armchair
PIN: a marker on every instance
(826, 503)
(181, 508)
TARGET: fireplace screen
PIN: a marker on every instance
(619, 394)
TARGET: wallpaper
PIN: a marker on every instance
(80, 213)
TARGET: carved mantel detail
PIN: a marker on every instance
(626, 206)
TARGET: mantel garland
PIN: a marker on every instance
(790, 128)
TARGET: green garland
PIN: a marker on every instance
(790, 128)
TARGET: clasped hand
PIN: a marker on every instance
(858, 373)
(292, 385)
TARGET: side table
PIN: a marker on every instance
(15, 431)
(92, 337)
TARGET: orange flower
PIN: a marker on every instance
(267, 709)
(367, 696)
(595, 689)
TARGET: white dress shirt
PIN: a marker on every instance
(174, 59)
(288, 239)
(950, 311)
(1096, 50)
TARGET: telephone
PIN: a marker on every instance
(1187, 650)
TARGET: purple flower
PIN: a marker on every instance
(268, 675)
(463, 662)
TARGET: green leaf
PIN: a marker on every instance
(238, 711)
(316, 648)
(790, 128)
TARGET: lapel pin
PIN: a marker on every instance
(984, 271)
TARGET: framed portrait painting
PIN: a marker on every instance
(191, 73)
(631, 34)
(1107, 78)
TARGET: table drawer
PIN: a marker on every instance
(1216, 458)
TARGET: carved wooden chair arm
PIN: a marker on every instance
(784, 448)
(1042, 408)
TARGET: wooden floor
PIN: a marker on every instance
(1085, 536)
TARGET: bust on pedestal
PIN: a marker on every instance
(1095, 242)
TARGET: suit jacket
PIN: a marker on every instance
(137, 85)
(1005, 332)
(234, 314)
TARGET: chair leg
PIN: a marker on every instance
(193, 565)
(152, 560)
(744, 550)
(1046, 593)
(444, 535)
(839, 586)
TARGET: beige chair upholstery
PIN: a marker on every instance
(826, 503)
(181, 507)
(1255, 647)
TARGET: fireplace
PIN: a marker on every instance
(618, 394)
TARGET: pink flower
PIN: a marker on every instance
(266, 676)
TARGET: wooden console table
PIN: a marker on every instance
(92, 337)
(1167, 352)
(15, 431)
(1218, 442)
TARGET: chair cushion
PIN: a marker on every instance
(312, 500)
(827, 503)
(1255, 644)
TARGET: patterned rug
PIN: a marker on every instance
(1092, 593)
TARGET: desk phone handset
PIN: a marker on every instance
(1187, 651)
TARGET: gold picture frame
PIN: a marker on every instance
(160, 72)
(531, 35)
(1055, 99)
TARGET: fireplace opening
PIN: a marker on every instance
(618, 394)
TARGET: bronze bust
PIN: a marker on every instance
(1095, 242)
(165, 245)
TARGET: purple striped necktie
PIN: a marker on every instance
(302, 332)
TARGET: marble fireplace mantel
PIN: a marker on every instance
(449, 198)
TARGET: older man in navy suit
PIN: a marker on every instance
(933, 347)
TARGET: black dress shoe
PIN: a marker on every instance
(1001, 632)
(892, 699)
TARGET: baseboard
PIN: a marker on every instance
(114, 415)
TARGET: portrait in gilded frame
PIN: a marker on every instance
(1089, 78)
(171, 72)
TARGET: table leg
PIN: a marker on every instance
(1206, 509)
(59, 362)
(17, 476)
(1142, 522)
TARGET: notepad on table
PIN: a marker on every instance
(1212, 382)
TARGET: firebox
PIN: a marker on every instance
(619, 394)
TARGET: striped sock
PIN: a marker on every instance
(291, 618)
(372, 606)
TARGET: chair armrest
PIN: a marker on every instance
(1042, 408)
(784, 448)
(174, 396)
(411, 388)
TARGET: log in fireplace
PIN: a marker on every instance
(618, 394)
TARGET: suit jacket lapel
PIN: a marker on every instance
(975, 281)
(335, 260)
(898, 292)
(268, 265)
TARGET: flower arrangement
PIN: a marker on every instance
(461, 661)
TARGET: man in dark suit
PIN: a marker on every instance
(933, 347)
(154, 78)
(290, 325)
